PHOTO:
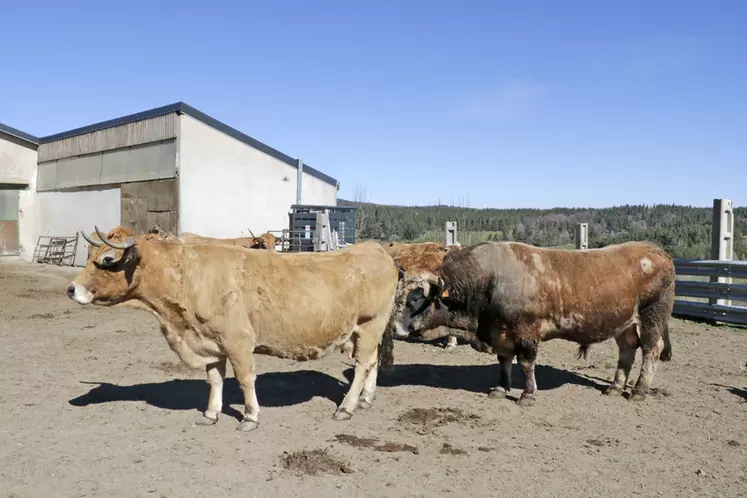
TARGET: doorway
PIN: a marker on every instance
(8, 221)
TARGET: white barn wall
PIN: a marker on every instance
(317, 192)
(65, 213)
(18, 166)
(228, 187)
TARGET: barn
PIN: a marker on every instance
(17, 191)
(173, 166)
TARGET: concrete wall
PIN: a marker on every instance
(228, 187)
(18, 166)
(65, 213)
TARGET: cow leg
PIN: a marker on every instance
(627, 345)
(369, 388)
(367, 339)
(504, 381)
(216, 372)
(241, 355)
(451, 343)
(654, 319)
(526, 354)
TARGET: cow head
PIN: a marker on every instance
(417, 297)
(111, 272)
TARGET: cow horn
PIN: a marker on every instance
(434, 280)
(116, 245)
(251, 233)
(90, 241)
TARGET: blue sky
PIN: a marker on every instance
(506, 104)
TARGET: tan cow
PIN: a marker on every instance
(264, 241)
(417, 257)
(216, 302)
(513, 296)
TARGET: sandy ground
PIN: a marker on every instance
(95, 404)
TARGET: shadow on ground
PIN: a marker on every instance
(278, 389)
(476, 378)
(274, 389)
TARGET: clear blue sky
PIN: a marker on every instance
(509, 104)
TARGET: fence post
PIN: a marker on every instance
(582, 236)
(722, 240)
(451, 233)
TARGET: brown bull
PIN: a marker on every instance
(511, 297)
(217, 303)
(413, 258)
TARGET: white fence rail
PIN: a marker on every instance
(714, 291)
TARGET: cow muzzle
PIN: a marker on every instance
(79, 294)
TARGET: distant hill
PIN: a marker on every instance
(684, 231)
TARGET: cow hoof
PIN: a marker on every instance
(204, 420)
(612, 391)
(450, 348)
(497, 394)
(526, 401)
(247, 425)
(637, 397)
(364, 405)
(341, 415)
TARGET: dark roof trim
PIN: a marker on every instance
(19, 134)
(182, 108)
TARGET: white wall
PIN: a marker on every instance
(18, 165)
(228, 187)
(317, 192)
(65, 213)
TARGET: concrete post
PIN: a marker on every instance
(722, 240)
(451, 233)
(322, 235)
(299, 181)
(582, 236)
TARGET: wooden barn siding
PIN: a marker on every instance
(140, 132)
(149, 203)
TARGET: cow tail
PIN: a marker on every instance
(386, 348)
(666, 353)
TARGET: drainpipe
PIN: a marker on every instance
(299, 182)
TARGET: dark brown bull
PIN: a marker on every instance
(511, 297)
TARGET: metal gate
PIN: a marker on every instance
(8, 221)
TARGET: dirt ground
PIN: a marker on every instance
(95, 404)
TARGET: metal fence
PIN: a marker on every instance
(720, 293)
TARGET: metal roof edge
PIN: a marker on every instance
(111, 123)
(253, 142)
(183, 108)
(14, 132)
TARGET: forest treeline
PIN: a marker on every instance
(684, 231)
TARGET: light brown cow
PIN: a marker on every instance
(417, 257)
(216, 302)
(193, 238)
(513, 296)
(264, 241)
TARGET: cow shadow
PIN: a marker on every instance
(274, 389)
(736, 391)
(476, 378)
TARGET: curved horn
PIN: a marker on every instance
(434, 280)
(116, 245)
(90, 241)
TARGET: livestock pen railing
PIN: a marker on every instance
(721, 284)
